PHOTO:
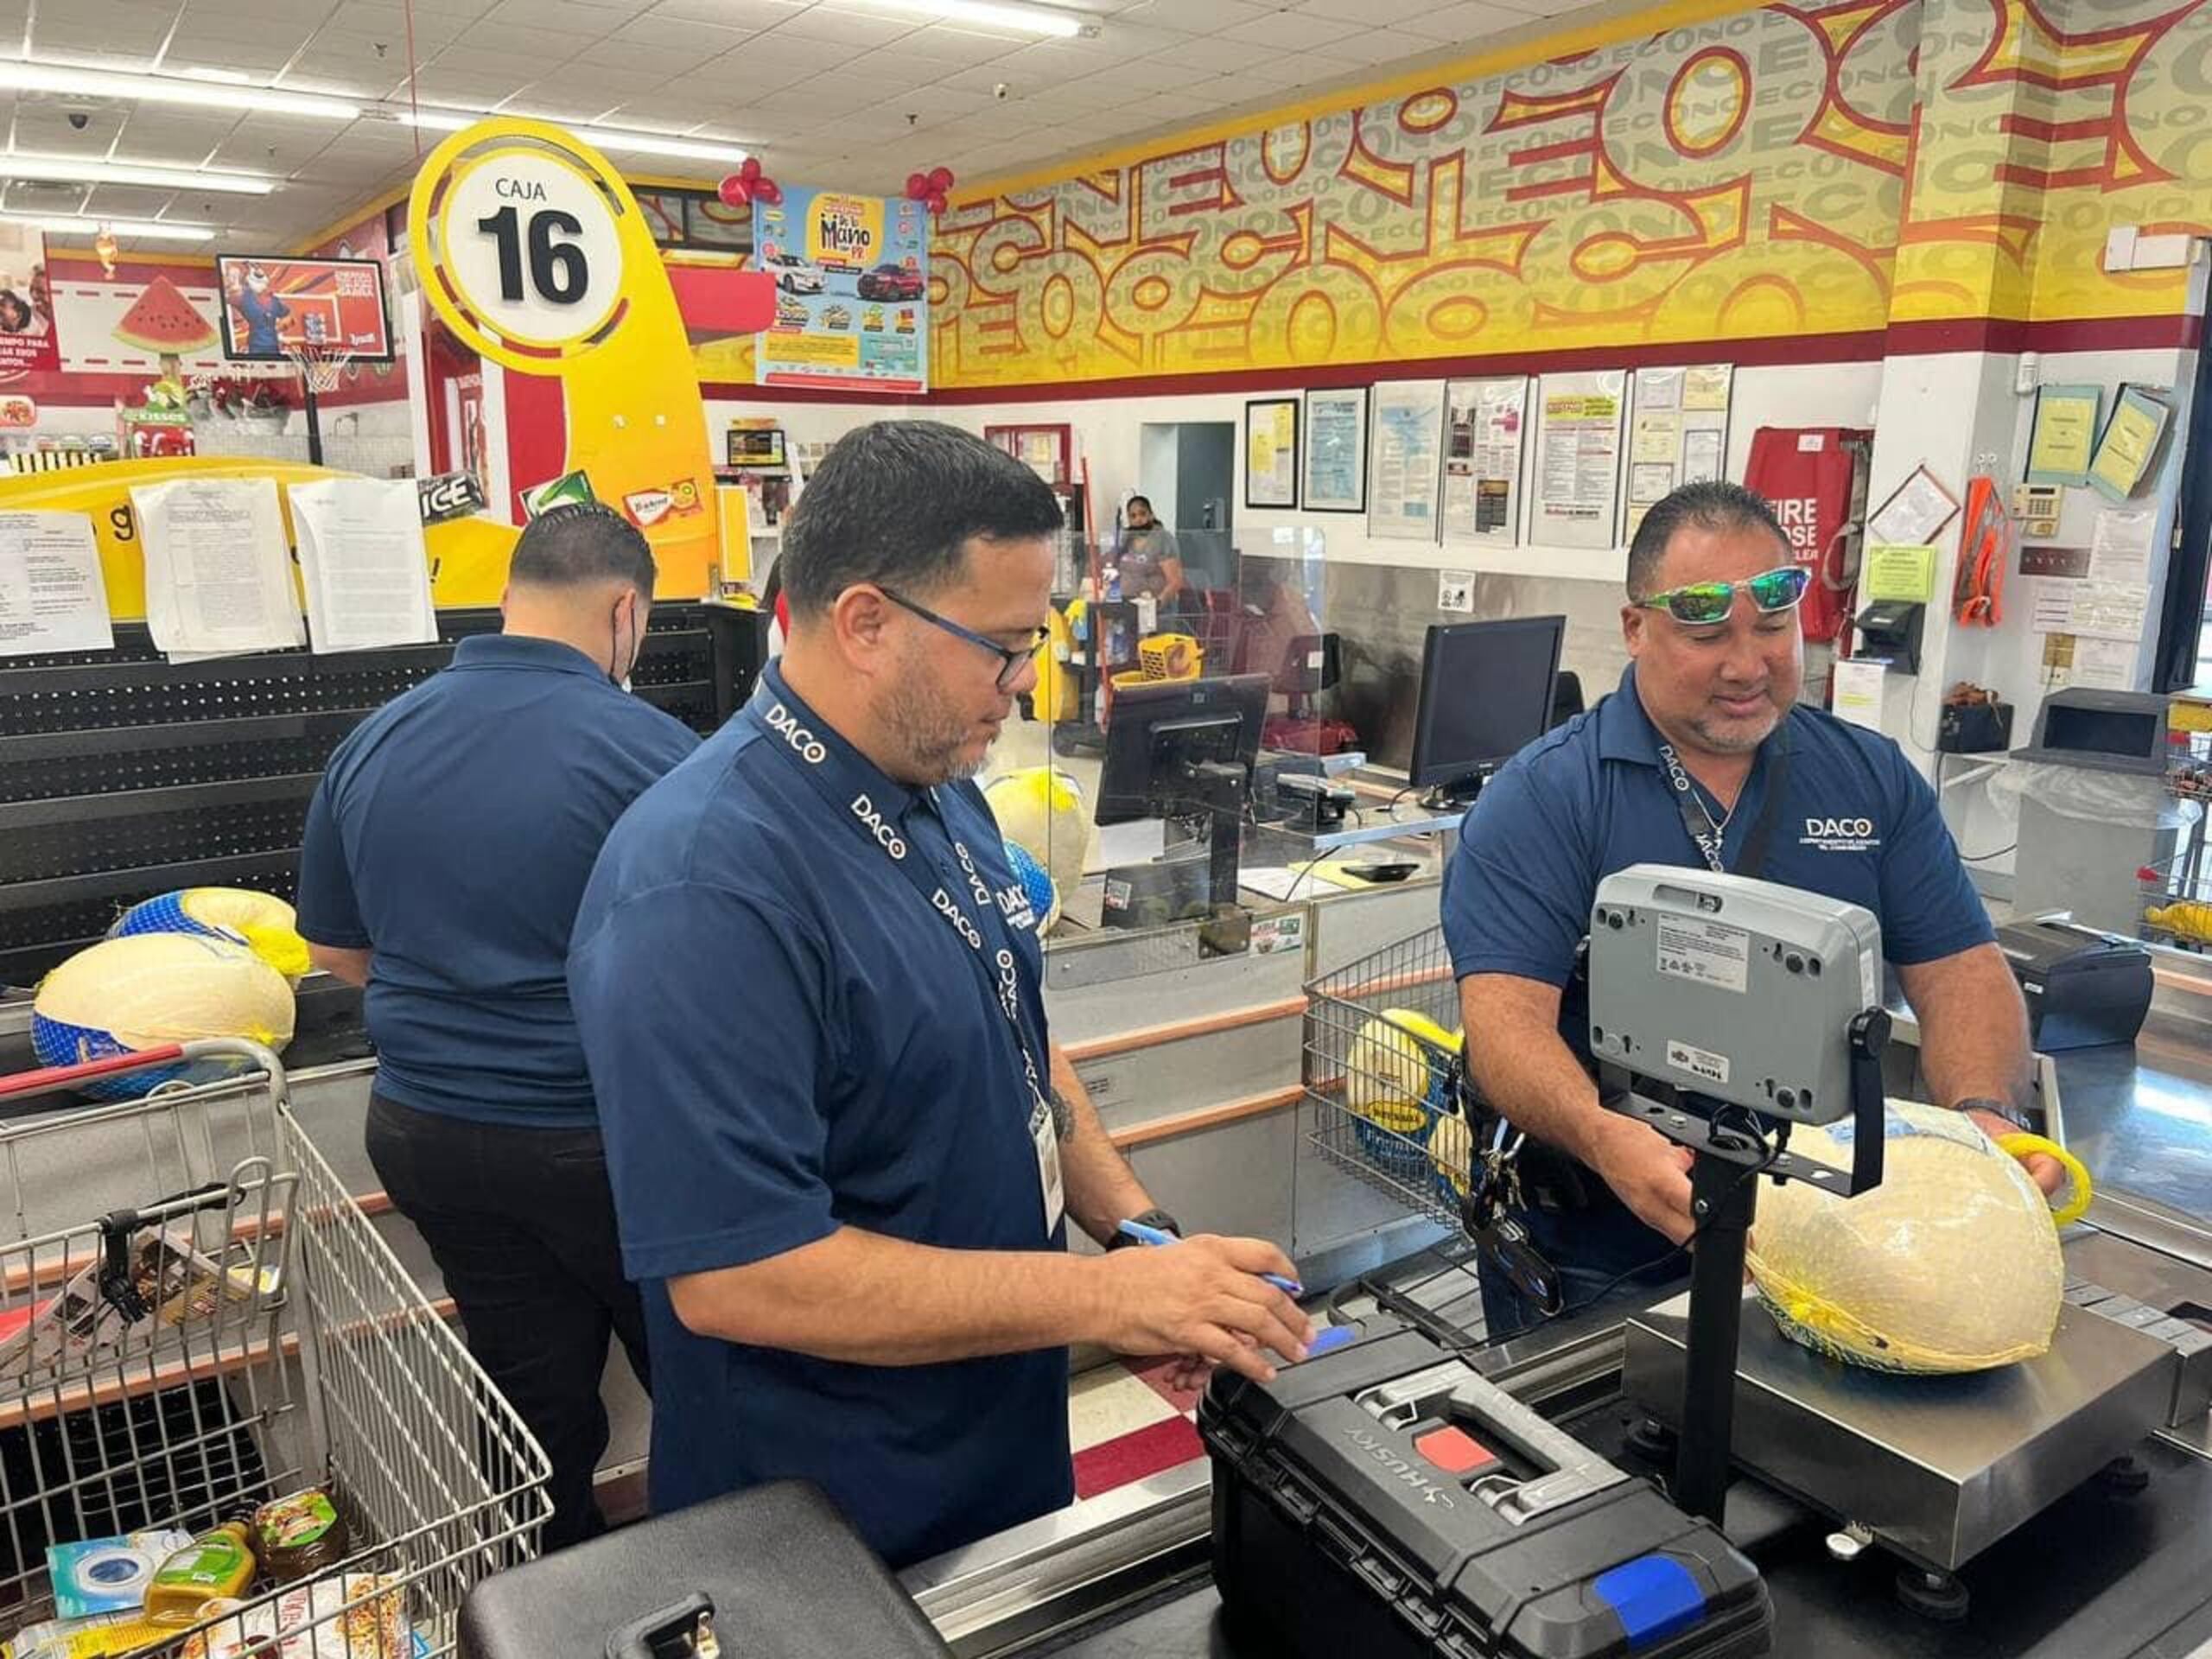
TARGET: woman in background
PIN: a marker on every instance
(1149, 561)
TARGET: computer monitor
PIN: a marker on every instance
(1159, 731)
(1485, 694)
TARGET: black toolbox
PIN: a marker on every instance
(1384, 1501)
(776, 1570)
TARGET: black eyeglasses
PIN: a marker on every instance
(1011, 663)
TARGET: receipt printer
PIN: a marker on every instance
(2083, 986)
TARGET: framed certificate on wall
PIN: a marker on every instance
(1333, 473)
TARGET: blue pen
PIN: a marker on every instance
(1145, 1234)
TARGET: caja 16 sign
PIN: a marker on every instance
(524, 237)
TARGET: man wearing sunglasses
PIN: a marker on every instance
(1703, 758)
(841, 1139)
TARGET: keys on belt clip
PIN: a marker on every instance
(1493, 1194)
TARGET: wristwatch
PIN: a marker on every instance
(2013, 1115)
(1156, 1218)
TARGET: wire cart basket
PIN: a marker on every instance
(1384, 1074)
(196, 1318)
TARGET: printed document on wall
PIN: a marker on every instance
(362, 559)
(52, 597)
(219, 574)
(1577, 470)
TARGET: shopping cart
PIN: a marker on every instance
(230, 1329)
(1385, 1078)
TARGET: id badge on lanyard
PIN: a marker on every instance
(997, 967)
(1711, 838)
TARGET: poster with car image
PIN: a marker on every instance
(852, 291)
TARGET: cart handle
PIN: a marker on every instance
(681, 1627)
(69, 1076)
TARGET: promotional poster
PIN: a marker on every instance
(852, 291)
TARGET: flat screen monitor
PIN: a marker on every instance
(1153, 726)
(1485, 694)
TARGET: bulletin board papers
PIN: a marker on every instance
(1916, 510)
(1578, 420)
(2064, 435)
(1901, 573)
(1485, 426)
(52, 595)
(218, 575)
(1678, 433)
(1406, 461)
(2128, 443)
(1859, 686)
(2098, 610)
(363, 562)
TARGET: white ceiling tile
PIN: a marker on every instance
(380, 21)
(1290, 31)
(628, 53)
(776, 50)
(1376, 46)
(684, 42)
(135, 201)
(104, 25)
(895, 68)
(1193, 16)
(451, 86)
(1215, 56)
(1468, 20)
(939, 44)
(523, 18)
(857, 31)
(729, 13)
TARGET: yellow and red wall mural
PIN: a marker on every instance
(1859, 169)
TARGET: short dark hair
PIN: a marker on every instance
(1712, 504)
(582, 541)
(1133, 499)
(896, 502)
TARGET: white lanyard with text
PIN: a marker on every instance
(808, 754)
(1697, 817)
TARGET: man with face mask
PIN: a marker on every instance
(809, 987)
(446, 850)
(1703, 758)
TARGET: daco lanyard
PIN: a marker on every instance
(1697, 817)
(806, 752)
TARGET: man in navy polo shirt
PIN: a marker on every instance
(446, 850)
(1703, 758)
(841, 1138)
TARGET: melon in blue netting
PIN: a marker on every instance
(261, 921)
(1036, 884)
(124, 996)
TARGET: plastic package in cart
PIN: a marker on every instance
(2123, 799)
(317, 1620)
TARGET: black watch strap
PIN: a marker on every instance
(1155, 1218)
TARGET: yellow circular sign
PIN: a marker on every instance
(518, 237)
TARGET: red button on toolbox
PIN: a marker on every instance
(1455, 1452)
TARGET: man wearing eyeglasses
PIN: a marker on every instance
(841, 1139)
(1703, 758)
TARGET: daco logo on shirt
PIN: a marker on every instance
(1839, 834)
(1013, 903)
(951, 912)
(886, 836)
(804, 742)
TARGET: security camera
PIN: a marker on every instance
(79, 120)
(1000, 92)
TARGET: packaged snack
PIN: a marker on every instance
(84, 1638)
(216, 1566)
(299, 1535)
(313, 1625)
(108, 1575)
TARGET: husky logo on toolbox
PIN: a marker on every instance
(803, 743)
(886, 836)
(1429, 1491)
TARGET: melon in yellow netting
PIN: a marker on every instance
(1951, 1264)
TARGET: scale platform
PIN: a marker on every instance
(1938, 1468)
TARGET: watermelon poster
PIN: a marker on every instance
(26, 333)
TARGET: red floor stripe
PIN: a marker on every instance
(1146, 1451)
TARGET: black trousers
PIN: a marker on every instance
(521, 1222)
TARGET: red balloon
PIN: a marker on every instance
(768, 191)
(917, 186)
(940, 180)
(751, 169)
(734, 191)
(936, 202)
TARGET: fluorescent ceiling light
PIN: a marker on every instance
(638, 144)
(1035, 19)
(169, 89)
(149, 229)
(228, 77)
(69, 171)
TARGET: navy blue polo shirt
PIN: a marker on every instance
(787, 1039)
(452, 835)
(1857, 823)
